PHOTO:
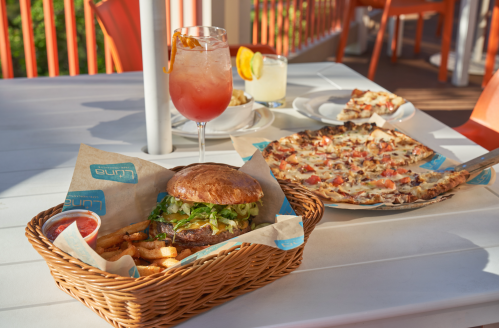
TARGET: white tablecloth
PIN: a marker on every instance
(433, 267)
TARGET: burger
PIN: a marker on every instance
(206, 204)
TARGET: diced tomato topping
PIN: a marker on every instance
(401, 170)
(405, 180)
(388, 173)
(364, 154)
(285, 149)
(388, 148)
(389, 184)
(416, 151)
(313, 180)
(385, 183)
(282, 166)
(367, 107)
(326, 162)
(383, 145)
(356, 154)
(346, 153)
(389, 105)
(325, 141)
(337, 181)
(307, 168)
(355, 168)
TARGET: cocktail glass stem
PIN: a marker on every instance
(201, 128)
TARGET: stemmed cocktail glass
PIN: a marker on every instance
(200, 75)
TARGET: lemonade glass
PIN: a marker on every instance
(201, 78)
(270, 88)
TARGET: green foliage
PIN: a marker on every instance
(17, 44)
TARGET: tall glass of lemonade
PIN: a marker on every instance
(269, 86)
(200, 75)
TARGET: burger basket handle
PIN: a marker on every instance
(168, 298)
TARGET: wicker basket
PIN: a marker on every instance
(166, 299)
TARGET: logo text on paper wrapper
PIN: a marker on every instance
(92, 200)
(120, 172)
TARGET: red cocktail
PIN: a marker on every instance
(201, 78)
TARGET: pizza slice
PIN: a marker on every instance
(397, 187)
(363, 104)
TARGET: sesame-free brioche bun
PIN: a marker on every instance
(216, 184)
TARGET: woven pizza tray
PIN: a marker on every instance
(166, 299)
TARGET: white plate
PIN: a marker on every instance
(325, 105)
(262, 118)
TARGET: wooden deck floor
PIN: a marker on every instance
(415, 79)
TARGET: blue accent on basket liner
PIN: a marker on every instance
(482, 179)
(371, 204)
(91, 200)
(133, 272)
(261, 145)
(290, 243)
(301, 223)
(245, 159)
(160, 197)
(119, 172)
(434, 163)
(286, 208)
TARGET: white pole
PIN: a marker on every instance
(466, 31)
(156, 93)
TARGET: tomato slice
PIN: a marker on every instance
(401, 170)
(337, 181)
(388, 173)
(405, 180)
(367, 107)
(313, 180)
(325, 141)
(389, 184)
(307, 168)
(283, 165)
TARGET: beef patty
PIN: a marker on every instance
(199, 237)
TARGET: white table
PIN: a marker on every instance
(433, 267)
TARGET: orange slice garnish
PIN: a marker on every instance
(243, 63)
(187, 41)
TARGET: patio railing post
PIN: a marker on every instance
(5, 54)
(51, 37)
(29, 43)
(154, 58)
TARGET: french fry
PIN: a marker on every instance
(135, 236)
(129, 251)
(157, 253)
(114, 248)
(185, 253)
(133, 228)
(106, 241)
(109, 240)
(148, 270)
(99, 250)
(150, 244)
(124, 245)
(166, 262)
(108, 255)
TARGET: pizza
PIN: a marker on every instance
(358, 164)
(363, 104)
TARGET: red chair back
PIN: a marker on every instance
(120, 20)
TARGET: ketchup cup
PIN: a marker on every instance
(91, 238)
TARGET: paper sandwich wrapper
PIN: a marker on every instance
(124, 190)
(246, 146)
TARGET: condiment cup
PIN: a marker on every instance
(234, 117)
(91, 239)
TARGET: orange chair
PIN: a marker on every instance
(397, 8)
(492, 46)
(483, 125)
(120, 22)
